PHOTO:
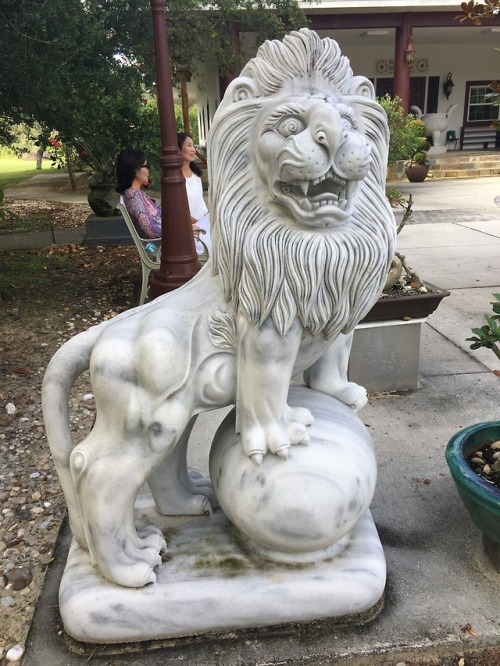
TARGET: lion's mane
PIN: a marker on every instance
(328, 279)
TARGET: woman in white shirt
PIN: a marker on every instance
(194, 189)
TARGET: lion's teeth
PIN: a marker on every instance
(304, 186)
(316, 181)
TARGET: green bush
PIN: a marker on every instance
(407, 134)
(488, 336)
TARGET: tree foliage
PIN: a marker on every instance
(83, 67)
(200, 31)
(477, 11)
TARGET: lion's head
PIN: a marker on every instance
(297, 158)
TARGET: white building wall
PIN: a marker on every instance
(206, 93)
(474, 60)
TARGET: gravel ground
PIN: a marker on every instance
(45, 298)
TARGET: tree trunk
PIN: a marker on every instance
(39, 157)
(69, 164)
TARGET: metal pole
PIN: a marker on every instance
(401, 67)
(179, 261)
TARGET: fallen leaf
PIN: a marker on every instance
(467, 629)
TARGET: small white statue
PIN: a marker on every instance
(302, 237)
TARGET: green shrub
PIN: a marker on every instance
(407, 134)
(488, 336)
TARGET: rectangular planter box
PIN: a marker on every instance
(417, 307)
(386, 346)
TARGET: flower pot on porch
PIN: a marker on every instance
(481, 499)
(416, 172)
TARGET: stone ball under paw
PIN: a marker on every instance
(295, 509)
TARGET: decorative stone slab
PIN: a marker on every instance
(208, 582)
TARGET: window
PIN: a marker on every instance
(481, 107)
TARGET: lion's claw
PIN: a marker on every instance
(277, 437)
(283, 452)
(257, 458)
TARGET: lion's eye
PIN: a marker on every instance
(348, 120)
(291, 125)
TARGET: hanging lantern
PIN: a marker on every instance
(448, 86)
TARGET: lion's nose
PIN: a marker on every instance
(327, 128)
(321, 136)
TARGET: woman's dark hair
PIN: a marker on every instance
(181, 137)
(127, 163)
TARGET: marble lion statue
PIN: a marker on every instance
(303, 237)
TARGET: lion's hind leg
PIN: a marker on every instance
(176, 490)
(107, 473)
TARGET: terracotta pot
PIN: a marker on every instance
(481, 499)
(417, 173)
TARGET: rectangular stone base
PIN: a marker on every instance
(385, 355)
(209, 582)
(106, 231)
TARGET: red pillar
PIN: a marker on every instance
(179, 261)
(401, 67)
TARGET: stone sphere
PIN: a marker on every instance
(295, 509)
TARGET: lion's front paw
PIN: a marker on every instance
(277, 437)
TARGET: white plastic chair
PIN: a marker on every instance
(149, 261)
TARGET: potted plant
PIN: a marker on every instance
(417, 167)
(102, 197)
(408, 137)
(473, 455)
(405, 294)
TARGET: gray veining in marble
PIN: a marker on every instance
(302, 238)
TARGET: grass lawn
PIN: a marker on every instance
(14, 170)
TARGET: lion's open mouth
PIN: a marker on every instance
(327, 190)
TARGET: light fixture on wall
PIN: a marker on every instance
(409, 51)
(375, 32)
(448, 86)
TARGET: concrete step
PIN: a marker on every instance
(456, 164)
(465, 164)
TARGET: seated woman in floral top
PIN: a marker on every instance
(132, 172)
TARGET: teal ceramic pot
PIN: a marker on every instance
(481, 499)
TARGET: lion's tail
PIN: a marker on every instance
(65, 367)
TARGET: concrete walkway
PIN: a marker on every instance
(45, 187)
(439, 579)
